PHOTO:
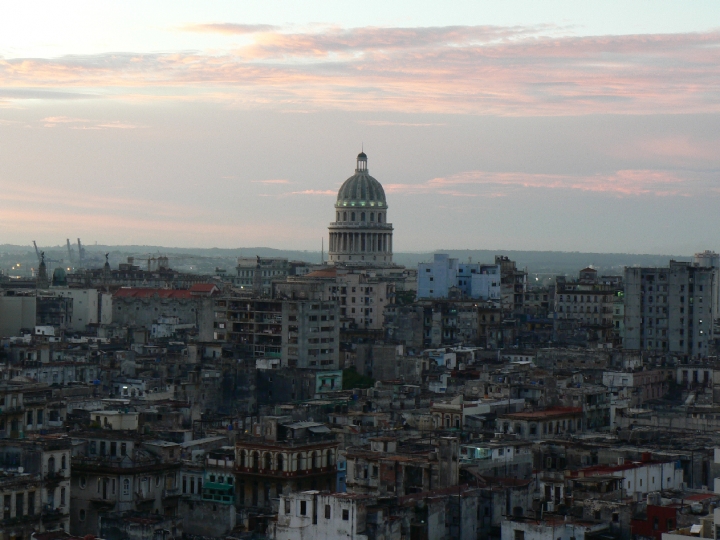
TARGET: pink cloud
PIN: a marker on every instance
(313, 192)
(465, 70)
(621, 183)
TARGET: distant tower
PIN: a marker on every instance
(42, 281)
(707, 259)
(360, 234)
(107, 272)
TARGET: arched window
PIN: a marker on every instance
(126, 487)
(63, 463)
(344, 216)
(380, 218)
(362, 216)
(243, 458)
(331, 458)
(372, 216)
(352, 216)
(255, 461)
(51, 465)
(280, 462)
(268, 461)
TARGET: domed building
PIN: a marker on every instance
(361, 234)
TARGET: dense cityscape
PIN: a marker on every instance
(359, 398)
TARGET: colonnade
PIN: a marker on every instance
(360, 242)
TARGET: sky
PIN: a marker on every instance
(518, 125)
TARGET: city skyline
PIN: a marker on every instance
(561, 128)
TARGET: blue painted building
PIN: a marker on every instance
(473, 280)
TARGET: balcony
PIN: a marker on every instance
(54, 514)
(11, 410)
(171, 492)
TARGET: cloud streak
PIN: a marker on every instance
(514, 71)
(622, 183)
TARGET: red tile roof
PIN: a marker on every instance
(547, 413)
(204, 288)
(324, 273)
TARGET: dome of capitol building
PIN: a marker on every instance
(360, 234)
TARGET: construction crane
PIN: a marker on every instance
(47, 259)
(70, 251)
(81, 253)
(83, 258)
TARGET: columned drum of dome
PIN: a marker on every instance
(360, 234)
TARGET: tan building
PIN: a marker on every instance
(361, 294)
(282, 456)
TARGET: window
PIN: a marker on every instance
(287, 506)
(303, 504)
(346, 515)
(327, 511)
(126, 487)
(123, 449)
(519, 535)
(81, 515)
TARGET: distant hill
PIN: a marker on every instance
(541, 262)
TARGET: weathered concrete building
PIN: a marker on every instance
(388, 467)
(302, 333)
(671, 309)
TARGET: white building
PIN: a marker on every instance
(640, 477)
(551, 528)
(85, 306)
(312, 515)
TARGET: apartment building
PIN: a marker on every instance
(302, 333)
(118, 471)
(588, 301)
(670, 309)
(362, 294)
(35, 485)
